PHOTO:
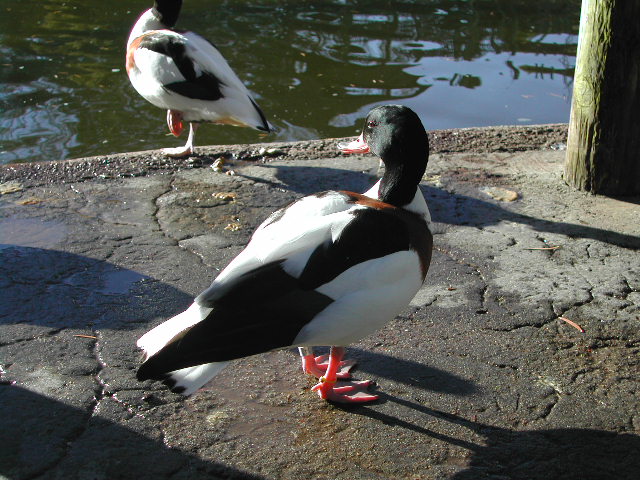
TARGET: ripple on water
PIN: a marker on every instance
(34, 122)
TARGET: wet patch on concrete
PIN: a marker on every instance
(30, 232)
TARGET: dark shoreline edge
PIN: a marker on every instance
(133, 164)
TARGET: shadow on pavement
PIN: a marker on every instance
(39, 434)
(63, 290)
(455, 209)
(559, 454)
(446, 207)
(411, 373)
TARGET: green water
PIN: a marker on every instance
(316, 68)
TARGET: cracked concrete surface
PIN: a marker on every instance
(479, 378)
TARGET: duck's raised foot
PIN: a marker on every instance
(178, 152)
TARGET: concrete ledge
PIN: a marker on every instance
(488, 139)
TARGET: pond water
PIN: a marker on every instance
(316, 68)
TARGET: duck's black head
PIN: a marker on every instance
(167, 11)
(396, 135)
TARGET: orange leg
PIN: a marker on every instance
(317, 366)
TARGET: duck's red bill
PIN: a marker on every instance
(357, 146)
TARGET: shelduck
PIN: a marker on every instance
(186, 75)
(328, 269)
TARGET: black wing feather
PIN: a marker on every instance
(371, 234)
(205, 86)
(264, 310)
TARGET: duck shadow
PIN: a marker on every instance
(559, 453)
(310, 180)
(464, 210)
(446, 208)
(42, 438)
(407, 372)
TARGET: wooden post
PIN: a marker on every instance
(603, 147)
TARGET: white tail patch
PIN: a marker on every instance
(154, 340)
(188, 380)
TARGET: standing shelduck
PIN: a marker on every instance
(328, 269)
(186, 75)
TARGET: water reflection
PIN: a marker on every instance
(38, 116)
(316, 68)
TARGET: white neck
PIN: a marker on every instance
(147, 22)
(418, 205)
(373, 191)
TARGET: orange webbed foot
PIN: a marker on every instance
(345, 392)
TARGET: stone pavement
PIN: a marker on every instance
(479, 378)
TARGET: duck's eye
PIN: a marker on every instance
(372, 123)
